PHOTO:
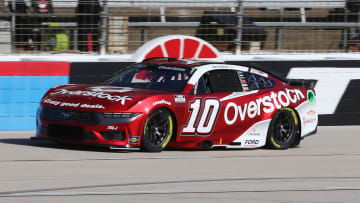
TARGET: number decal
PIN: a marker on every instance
(203, 116)
(209, 116)
(194, 111)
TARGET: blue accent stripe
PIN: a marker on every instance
(19, 99)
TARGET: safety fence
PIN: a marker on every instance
(233, 26)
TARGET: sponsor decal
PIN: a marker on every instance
(111, 127)
(251, 142)
(49, 101)
(111, 89)
(253, 132)
(310, 96)
(312, 120)
(92, 106)
(134, 139)
(308, 121)
(311, 112)
(179, 98)
(172, 68)
(75, 105)
(162, 102)
(266, 104)
(66, 115)
(100, 95)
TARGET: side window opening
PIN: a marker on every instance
(200, 87)
(256, 82)
(219, 81)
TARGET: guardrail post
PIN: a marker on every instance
(278, 31)
(239, 27)
(104, 27)
(13, 26)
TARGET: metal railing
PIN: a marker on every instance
(234, 26)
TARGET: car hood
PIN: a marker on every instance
(96, 97)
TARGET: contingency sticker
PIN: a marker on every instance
(179, 98)
(134, 140)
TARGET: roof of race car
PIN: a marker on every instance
(185, 63)
(190, 63)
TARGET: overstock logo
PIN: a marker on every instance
(266, 104)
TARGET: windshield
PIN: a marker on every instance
(152, 76)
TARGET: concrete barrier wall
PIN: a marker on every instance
(22, 84)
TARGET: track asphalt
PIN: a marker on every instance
(324, 168)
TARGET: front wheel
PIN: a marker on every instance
(158, 130)
(283, 129)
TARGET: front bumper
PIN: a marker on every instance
(88, 128)
(116, 136)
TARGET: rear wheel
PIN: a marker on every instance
(283, 129)
(158, 130)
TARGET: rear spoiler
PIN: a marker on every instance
(302, 82)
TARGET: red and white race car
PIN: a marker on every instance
(167, 102)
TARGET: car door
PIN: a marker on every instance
(204, 118)
(249, 113)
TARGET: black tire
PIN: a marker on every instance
(158, 130)
(283, 129)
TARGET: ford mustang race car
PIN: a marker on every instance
(167, 102)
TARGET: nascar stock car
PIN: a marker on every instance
(168, 102)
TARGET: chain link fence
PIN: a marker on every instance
(233, 26)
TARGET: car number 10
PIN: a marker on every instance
(203, 116)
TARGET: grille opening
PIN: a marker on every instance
(66, 132)
(56, 114)
(119, 135)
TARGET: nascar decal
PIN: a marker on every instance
(69, 104)
(100, 95)
(180, 98)
(266, 104)
(206, 112)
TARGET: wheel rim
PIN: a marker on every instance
(157, 128)
(283, 127)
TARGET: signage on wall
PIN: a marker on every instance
(177, 46)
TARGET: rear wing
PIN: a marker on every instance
(302, 82)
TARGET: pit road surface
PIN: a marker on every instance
(325, 168)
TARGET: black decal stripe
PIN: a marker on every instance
(94, 72)
(340, 119)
